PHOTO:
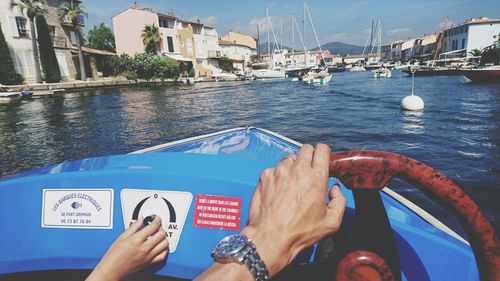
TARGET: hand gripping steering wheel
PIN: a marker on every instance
(368, 171)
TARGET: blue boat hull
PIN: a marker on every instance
(187, 174)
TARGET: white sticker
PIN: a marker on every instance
(78, 208)
(171, 206)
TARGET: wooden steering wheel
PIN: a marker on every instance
(373, 170)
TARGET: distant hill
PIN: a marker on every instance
(339, 48)
(336, 48)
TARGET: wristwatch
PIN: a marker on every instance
(240, 249)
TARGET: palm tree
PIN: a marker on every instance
(476, 53)
(151, 37)
(74, 12)
(31, 9)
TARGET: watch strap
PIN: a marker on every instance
(255, 264)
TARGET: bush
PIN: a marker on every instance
(145, 66)
(129, 75)
(8, 75)
(48, 58)
(121, 64)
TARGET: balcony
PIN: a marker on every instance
(66, 21)
(59, 42)
(214, 54)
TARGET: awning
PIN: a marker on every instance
(97, 52)
(453, 52)
(178, 57)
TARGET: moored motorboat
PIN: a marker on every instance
(382, 73)
(6, 97)
(357, 68)
(296, 72)
(318, 75)
(432, 71)
(268, 73)
(490, 74)
(86, 204)
(336, 68)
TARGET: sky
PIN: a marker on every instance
(347, 21)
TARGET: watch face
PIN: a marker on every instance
(230, 245)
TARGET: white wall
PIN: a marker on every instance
(207, 41)
(481, 35)
(21, 49)
(238, 52)
(169, 32)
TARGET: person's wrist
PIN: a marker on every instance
(103, 274)
(274, 253)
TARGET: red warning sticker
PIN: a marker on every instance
(219, 212)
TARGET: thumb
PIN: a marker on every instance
(133, 228)
(336, 208)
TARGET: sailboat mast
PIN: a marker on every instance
(371, 37)
(304, 27)
(439, 43)
(315, 34)
(258, 40)
(268, 38)
(379, 49)
(281, 33)
(293, 40)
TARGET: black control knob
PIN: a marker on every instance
(148, 220)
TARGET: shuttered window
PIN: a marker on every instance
(22, 30)
(170, 43)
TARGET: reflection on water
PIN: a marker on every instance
(458, 133)
(413, 122)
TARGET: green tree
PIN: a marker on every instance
(47, 54)
(225, 64)
(101, 37)
(151, 37)
(31, 9)
(121, 64)
(74, 12)
(8, 75)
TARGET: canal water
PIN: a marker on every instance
(458, 133)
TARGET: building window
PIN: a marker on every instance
(166, 22)
(163, 22)
(463, 43)
(52, 30)
(189, 46)
(170, 43)
(466, 28)
(21, 27)
(73, 38)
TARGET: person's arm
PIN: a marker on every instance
(134, 249)
(288, 213)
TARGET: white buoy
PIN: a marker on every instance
(412, 102)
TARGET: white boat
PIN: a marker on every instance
(311, 79)
(268, 73)
(223, 76)
(317, 76)
(357, 68)
(382, 73)
(6, 97)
